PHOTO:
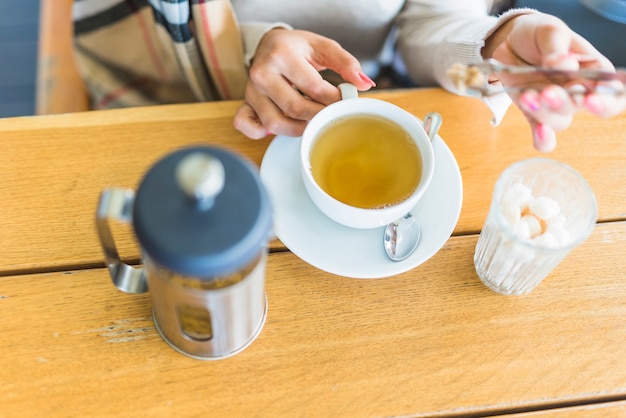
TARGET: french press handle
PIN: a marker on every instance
(117, 204)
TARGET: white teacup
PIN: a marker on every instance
(420, 163)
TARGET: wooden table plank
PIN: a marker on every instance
(59, 164)
(54, 167)
(434, 340)
(602, 410)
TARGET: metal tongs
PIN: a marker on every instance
(577, 82)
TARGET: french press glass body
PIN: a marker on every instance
(203, 219)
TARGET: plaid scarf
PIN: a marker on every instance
(142, 52)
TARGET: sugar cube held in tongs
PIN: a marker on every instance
(473, 79)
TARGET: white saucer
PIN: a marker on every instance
(356, 253)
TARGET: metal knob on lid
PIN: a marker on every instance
(202, 211)
(201, 176)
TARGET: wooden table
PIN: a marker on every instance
(430, 342)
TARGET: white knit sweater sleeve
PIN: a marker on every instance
(434, 35)
(252, 32)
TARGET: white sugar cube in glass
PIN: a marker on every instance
(541, 209)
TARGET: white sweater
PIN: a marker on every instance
(431, 34)
(128, 57)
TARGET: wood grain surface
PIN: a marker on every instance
(433, 341)
(54, 167)
(60, 88)
(601, 410)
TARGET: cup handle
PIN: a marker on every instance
(348, 91)
(117, 204)
(432, 123)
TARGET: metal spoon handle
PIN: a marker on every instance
(400, 238)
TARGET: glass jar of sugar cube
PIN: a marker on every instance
(541, 209)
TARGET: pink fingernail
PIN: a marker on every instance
(368, 80)
(542, 132)
(552, 99)
(594, 104)
(530, 101)
(544, 138)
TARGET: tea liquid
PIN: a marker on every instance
(366, 161)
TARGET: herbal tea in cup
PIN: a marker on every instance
(365, 162)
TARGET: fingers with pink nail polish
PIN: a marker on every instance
(544, 138)
(529, 100)
(368, 80)
(551, 98)
(594, 104)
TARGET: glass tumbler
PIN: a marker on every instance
(541, 209)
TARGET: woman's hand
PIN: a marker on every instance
(285, 89)
(544, 40)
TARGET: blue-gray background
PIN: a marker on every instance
(18, 56)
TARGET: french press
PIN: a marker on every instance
(202, 219)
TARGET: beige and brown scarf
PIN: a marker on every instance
(143, 52)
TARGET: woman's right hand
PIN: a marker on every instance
(544, 40)
(285, 88)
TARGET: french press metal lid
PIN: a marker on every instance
(202, 212)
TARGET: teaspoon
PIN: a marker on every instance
(402, 236)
